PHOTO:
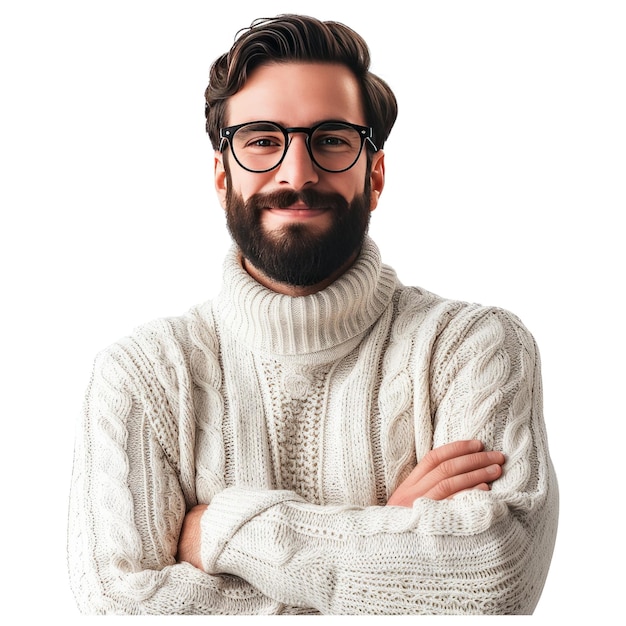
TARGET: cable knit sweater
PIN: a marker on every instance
(295, 419)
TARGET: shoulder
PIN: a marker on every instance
(451, 324)
(155, 371)
(162, 347)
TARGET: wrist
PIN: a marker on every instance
(228, 512)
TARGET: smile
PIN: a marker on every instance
(297, 212)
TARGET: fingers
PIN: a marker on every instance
(481, 487)
(463, 481)
(442, 454)
(448, 470)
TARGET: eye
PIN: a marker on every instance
(331, 140)
(259, 138)
(336, 140)
(263, 142)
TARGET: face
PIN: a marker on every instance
(298, 224)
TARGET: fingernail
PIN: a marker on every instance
(493, 469)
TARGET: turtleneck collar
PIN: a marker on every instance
(333, 319)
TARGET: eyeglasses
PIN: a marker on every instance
(261, 146)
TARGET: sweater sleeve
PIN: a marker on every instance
(127, 506)
(477, 553)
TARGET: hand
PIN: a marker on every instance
(448, 470)
(189, 540)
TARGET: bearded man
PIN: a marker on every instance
(318, 438)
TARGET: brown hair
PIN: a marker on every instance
(297, 38)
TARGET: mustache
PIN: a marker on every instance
(283, 199)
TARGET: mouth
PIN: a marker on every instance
(299, 211)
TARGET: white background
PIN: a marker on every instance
(505, 185)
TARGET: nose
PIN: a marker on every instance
(297, 169)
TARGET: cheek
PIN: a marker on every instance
(247, 184)
(352, 185)
(349, 184)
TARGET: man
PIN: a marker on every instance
(318, 438)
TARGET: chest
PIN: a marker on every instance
(336, 432)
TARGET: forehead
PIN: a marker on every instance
(298, 94)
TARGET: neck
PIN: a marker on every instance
(316, 326)
(295, 290)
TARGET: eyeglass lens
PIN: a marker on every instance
(260, 146)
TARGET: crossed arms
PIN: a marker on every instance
(470, 530)
(442, 473)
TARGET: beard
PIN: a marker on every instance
(296, 254)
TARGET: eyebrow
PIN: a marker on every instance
(263, 124)
(326, 120)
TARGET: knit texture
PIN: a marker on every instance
(295, 419)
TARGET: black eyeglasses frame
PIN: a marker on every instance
(365, 133)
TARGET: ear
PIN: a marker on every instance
(220, 178)
(377, 178)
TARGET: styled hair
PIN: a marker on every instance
(297, 38)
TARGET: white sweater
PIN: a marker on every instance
(295, 419)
